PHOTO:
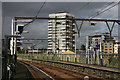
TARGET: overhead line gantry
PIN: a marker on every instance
(74, 20)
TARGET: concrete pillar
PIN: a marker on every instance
(98, 58)
(94, 58)
(88, 56)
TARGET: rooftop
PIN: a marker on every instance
(68, 52)
(61, 12)
(96, 36)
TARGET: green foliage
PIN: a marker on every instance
(83, 47)
(21, 51)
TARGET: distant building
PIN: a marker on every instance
(35, 51)
(108, 47)
(116, 47)
(88, 42)
(101, 42)
(61, 33)
(119, 48)
(95, 41)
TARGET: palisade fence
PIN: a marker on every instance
(109, 60)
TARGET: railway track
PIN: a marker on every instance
(36, 73)
(58, 73)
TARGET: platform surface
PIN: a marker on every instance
(22, 73)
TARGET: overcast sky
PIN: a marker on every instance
(39, 28)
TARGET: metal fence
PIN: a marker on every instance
(109, 60)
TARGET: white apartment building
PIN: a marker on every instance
(116, 45)
(94, 41)
(61, 33)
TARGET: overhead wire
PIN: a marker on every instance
(97, 13)
(105, 10)
(81, 8)
(100, 12)
(36, 14)
(85, 5)
(78, 29)
(42, 7)
(101, 9)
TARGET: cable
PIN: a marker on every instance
(43, 6)
(85, 5)
(101, 9)
(40, 9)
(36, 14)
(105, 10)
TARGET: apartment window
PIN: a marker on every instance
(63, 23)
(49, 24)
(50, 36)
(105, 46)
(110, 46)
(49, 44)
(50, 41)
(49, 30)
(105, 49)
(73, 26)
(58, 23)
(110, 49)
(50, 27)
(63, 41)
(96, 39)
(63, 35)
(63, 29)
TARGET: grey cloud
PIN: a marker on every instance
(39, 28)
(60, 0)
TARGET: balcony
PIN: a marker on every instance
(63, 28)
(50, 21)
(49, 26)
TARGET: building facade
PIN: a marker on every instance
(88, 42)
(61, 33)
(95, 41)
(116, 48)
(101, 42)
(108, 47)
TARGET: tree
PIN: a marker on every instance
(83, 47)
